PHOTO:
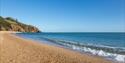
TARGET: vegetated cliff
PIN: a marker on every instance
(10, 24)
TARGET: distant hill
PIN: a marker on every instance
(10, 24)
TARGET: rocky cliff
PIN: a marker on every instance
(10, 24)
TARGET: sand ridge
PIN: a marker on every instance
(14, 49)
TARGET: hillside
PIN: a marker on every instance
(10, 24)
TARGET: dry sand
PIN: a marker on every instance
(14, 49)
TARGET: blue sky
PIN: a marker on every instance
(68, 15)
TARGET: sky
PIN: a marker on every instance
(68, 15)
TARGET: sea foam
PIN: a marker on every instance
(117, 57)
(75, 46)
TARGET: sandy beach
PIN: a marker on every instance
(14, 49)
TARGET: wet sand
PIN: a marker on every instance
(14, 49)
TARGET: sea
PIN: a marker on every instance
(110, 45)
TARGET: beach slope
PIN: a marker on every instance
(14, 49)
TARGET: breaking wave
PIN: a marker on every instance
(114, 53)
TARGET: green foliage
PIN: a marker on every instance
(10, 24)
(9, 18)
(1, 18)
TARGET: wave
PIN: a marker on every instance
(114, 53)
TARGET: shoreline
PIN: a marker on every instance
(73, 46)
(15, 49)
(67, 48)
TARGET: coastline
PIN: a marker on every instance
(18, 50)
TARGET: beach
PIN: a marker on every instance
(14, 49)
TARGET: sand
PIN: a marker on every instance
(14, 49)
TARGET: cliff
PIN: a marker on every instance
(10, 24)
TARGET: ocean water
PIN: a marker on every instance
(108, 45)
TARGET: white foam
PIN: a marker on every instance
(120, 58)
(117, 57)
(101, 53)
(114, 56)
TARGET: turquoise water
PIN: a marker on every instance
(110, 45)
